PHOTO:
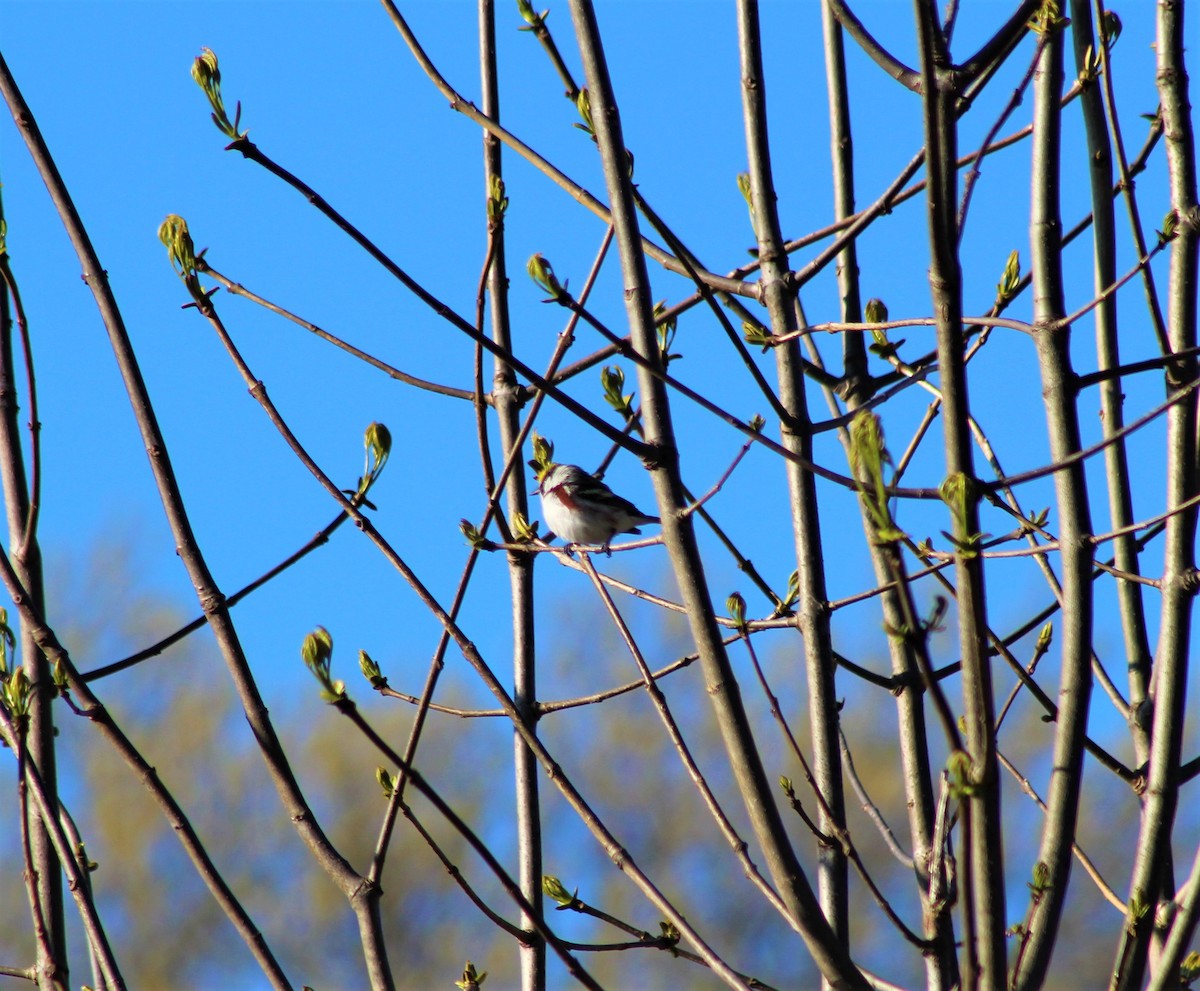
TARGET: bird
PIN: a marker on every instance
(583, 510)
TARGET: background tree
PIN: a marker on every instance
(899, 749)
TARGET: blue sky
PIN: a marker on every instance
(330, 91)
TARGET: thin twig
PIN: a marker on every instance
(869, 807)
(736, 843)
(1085, 862)
(237, 289)
(347, 708)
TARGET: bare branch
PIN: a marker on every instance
(878, 54)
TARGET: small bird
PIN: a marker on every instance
(583, 510)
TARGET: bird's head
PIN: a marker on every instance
(554, 475)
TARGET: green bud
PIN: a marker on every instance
(757, 334)
(757, 423)
(521, 528)
(542, 273)
(497, 201)
(1044, 638)
(960, 773)
(665, 328)
(174, 234)
(471, 980)
(867, 452)
(208, 78)
(385, 781)
(876, 311)
(1041, 878)
(205, 71)
(543, 448)
(737, 609)
(317, 649)
(1047, 18)
(792, 595)
(882, 346)
(317, 652)
(743, 184)
(956, 492)
(1170, 228)
(1137, 910)
(612, 380)
(16, 694)
(543, 455)
(471, 532)
(525, 8)
(370, 670)
(553, 889)
(666, 325)
(583, 103)
(377, 440)
(1010, 281)
(868, 456)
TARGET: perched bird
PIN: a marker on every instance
(583, 510)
